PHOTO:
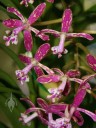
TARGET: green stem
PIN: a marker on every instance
(48, 22)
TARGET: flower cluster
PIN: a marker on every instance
(46, 111)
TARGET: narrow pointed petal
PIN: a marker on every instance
(91, 61)
(25, 2)
(84, 35)
(16, 12)
(39, 34)
(48, 78)
(28, 42)
(42, 51)
(77, 117)
(66, 20)
(42, 103)
(67, 88)
(50, 31)
(25, 59)
(58, 71)
(38, 71)
(91, 114)
(12, 23)
(36, 13)
(73, 73)
(28, 101)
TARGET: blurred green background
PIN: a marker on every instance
(84, 20)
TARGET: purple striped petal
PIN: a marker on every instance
(84, 35)
(28, 101)
(50, 31)
(48, 78)
(38, 71)
(25, 59)
(73, 73)
(28, 42)
(41, 35)
(11, 23)
(16, 12)
(66, 20)
(42, 103)
(58, 71)
(77, 117)
(91, 114)
(42, 51)
(91, 61)
(36, 13)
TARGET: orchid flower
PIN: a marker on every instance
(24, 25)
(64, 87)
(25, 2)
(37, 112)
(66, 23)
(34, 63)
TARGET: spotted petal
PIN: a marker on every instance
(73, 73)
(36, 13)
(12, 23)
(91, 61)
(84, 35)
(42, 51)
(25, 59)
(48, 78)
(16, 12)
(28, 42)
(66, 20)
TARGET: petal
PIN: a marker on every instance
(16, 12)
(79, 97)
(67, 88)
(55, 108)
(77, 117)
(28, 101)
(41, 35)
(42, 51)
(25, 59)
(42, 103)
(66, 20)
(73, 73)
(91, 114)
(84, 35)
(48, 78)
(36, 13)
(38, 71)
(11, 23)
(50, 31)
(91, 61)
(28, 42)
(58, 71)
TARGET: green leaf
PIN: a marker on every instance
(7, 3)
(7, 78)
(12, 55)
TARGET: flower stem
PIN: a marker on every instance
(48, 22)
